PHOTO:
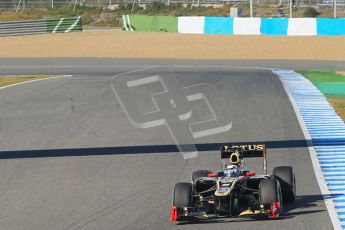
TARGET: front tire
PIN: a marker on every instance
(183, 195)
(271, 197)
(269, 191)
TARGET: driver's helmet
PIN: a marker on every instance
(232, 171)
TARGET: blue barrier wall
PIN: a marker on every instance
(274, 26)
(218, 25)
(330, 26)
(262, 26)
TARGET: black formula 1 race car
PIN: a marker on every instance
(235, 191)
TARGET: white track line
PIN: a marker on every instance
(134, 71)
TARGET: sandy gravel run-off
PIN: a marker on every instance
(115, 43)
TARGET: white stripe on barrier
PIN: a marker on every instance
(73, 25)
(57, 26)
(191, 25)
(247, 26)
(124, 22)
(129, 23)
(302, 26)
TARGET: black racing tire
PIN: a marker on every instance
(270, 191)
(183, 195)
(286, 177)
(200, 173)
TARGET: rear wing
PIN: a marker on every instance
(245, 151)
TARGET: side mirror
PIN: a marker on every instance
(220, 174)
(250, 173)
(211, 175)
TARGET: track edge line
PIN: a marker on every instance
(25, 82)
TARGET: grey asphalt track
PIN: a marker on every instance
(133, 191)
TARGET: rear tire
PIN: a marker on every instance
(183, 195)
(286, 177)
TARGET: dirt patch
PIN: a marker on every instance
(10, 80)
(339, 106)
(115, 43)
(341, 72)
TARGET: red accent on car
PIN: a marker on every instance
(173, 213)
(250, 173)
(212, 175)
(274, 210)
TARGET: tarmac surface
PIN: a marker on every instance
(94, 170)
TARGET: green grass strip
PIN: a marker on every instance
(328, 82)
(332, 85)
(332, 88)
(318, 76)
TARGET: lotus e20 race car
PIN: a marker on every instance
(235, 191)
